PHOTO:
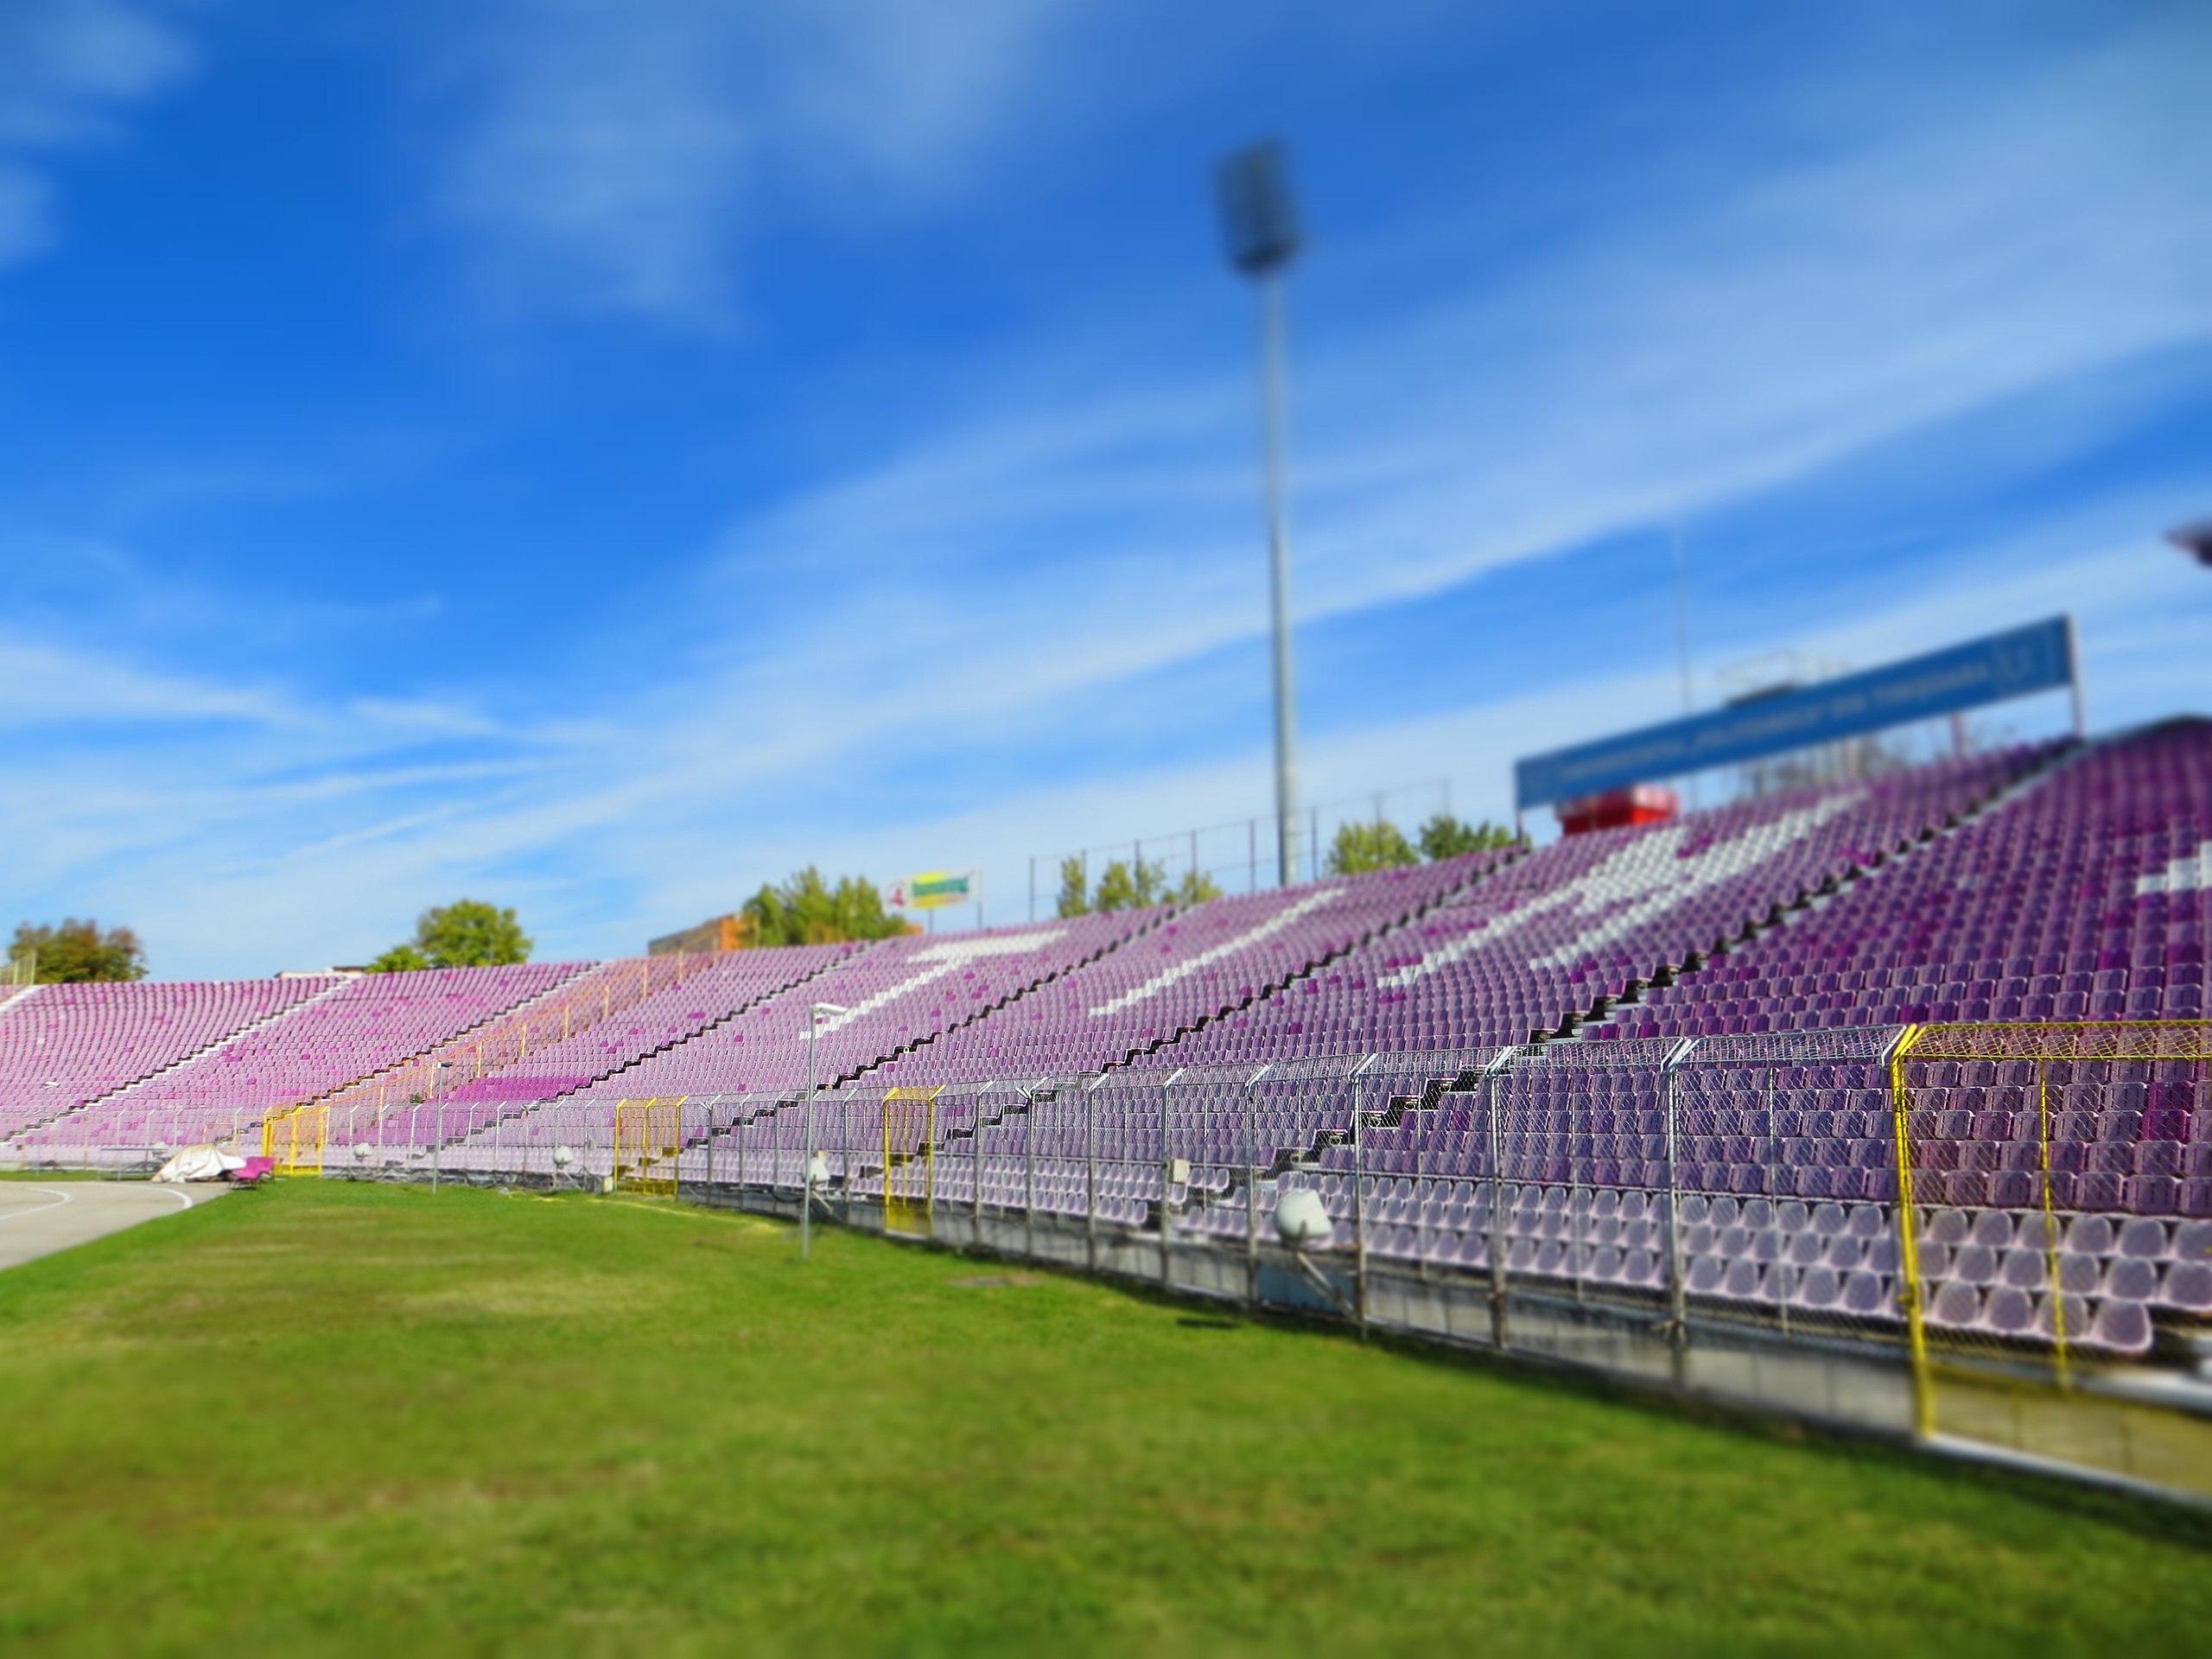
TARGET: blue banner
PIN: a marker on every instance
(2038, 657)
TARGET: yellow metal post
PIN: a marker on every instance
(1924, 1399)
(2050, 1234)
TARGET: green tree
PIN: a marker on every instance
(468, 933)
(1122, 888)
(1195, 888)
(807, 910)
(1360, 848)
(78, 952)
(1445, 836)
(1075, 888)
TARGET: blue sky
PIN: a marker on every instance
(600, 456)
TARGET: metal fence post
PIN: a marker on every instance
(1166, 1169)
(1576, 1106)
(1090, 1176)
(1780, 1271)
(1677, 1292)
(1252, 1190)
(976, 1175)
(1492, 1074)
(1029, 1179)
(1420, 1133)
(1359, 1213)
(1923, 1398)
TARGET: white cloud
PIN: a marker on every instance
(614, 158)
(68, 71)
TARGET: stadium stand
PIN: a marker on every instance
(336, 1032)
(555, 1016)
(64, 1046)
(2084, 899)
(1597, 917)
(1188, 971)
(726, 987)
(1653, 1057)
(897, 993)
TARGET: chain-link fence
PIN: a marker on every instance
(1807, 1223)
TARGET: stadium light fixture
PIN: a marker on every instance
(1258, 218)
(2195, 540)
(811, 1156)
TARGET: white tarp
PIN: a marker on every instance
(199, 1164)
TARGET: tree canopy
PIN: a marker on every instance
(1124, 886)
(1360, 848)
(78, 952)
(1445, 836)
(468, 933)
(807, 910)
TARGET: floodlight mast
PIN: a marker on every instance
(815, 1016)
(1259, 217)
(2195, 540)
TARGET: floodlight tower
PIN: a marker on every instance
(815, 1016)
(1259, 217)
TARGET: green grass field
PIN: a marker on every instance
(329, 1417)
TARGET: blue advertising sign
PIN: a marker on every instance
(2038, 657)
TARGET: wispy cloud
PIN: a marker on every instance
(69, 72)
(614, 158)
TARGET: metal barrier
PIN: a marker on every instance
(2059, 1188)
(1782, 1221)
(648, 1139)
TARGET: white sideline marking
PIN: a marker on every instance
(1182, 970)
(1645, 869)
(79, 1212)
(59, 1199)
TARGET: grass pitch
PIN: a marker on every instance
(331, 1417)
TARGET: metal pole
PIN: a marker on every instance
(1574, 1121)
(1273, 377)
(1033, 887)
(806, 1151)
(1029, 1180)
(1359, 1213)
(1251, 1190)
(1779, 1273)
(1090, 1176)
(2074, 682)
(1166, 1171)
(1677, 1292)
(1490, 1111)
(1681, 614)
(1421, 1183)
